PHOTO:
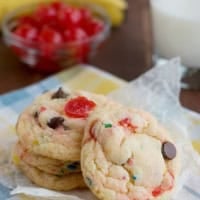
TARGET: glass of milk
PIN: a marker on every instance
(176, 31)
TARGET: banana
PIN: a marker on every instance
(114, 8)
(116, 16)
(120, 4)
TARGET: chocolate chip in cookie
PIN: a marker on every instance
(168, 150)
(55, 122)
(60, 94)
(73, 166)
(35, 115)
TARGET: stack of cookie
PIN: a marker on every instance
(50, 132)
(72, 140)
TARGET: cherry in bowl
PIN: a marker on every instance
(50, 37)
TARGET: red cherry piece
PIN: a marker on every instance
(80, 34)
(157, 191)
(79, 107)
(57, 5)
(51, 25)
(26, 31)
(48, 38)
(75, 16)
(69, 17)
(49, 35)
(45, 13)
(94, 26)
(163, 187)
(77, 34)
(126, 122)
(81, 48)
(85, 14)
(68, 35)
(27, 20)
(19, 51)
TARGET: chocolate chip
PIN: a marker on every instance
(36, 115)
(76, 163)
(168, 150)
(55, 122)
(72, 167)
(59, 94)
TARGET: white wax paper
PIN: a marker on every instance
(156, 91)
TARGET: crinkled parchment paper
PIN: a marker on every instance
(156, 91)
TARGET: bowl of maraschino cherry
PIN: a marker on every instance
(50, 37)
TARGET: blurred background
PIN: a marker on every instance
(128, 46)
(124, 37)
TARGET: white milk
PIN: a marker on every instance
(176, 27)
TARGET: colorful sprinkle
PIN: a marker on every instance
(42, 109)
(134, 178)
(108, 125)
(130, 161)
(16, 159)
(35, 142)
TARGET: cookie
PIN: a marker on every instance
(53, 125)
(127, 155)
(42, 179)
(51, 166)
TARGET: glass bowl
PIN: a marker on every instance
(57, 56)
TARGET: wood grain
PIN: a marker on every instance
(191, 99)
(128, 52)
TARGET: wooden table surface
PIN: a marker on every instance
(127, 54)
